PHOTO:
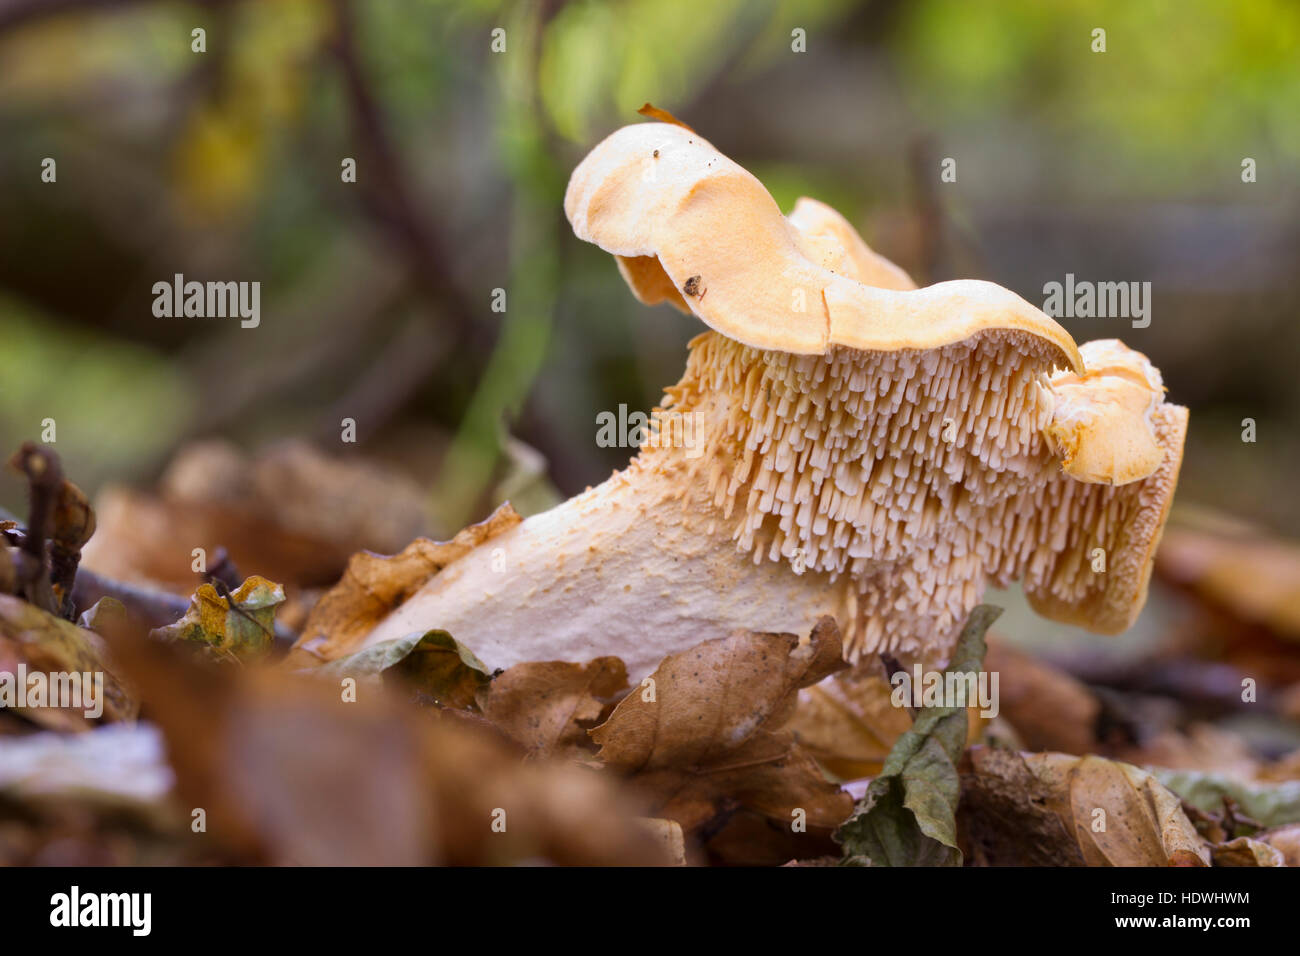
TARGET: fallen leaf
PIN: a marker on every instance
(434, 667)
(1005, 818)
(1284, 839)
(34, 642)
(239, 626)
(548, 707)
(703, 736)
(848, 722)
(1245, 851)
(287, 772)
(1272, 804)
(1057, 809)
(668, 833)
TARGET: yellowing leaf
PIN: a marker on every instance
(241, 626)
(374, 585)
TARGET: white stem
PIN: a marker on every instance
(626, 569)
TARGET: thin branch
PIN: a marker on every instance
(396, 203)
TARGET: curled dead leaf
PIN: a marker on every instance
(1284, 839)
(373, 585)
(1056, 809)
(1245, 851)
(548, 707)
(48, 651)
(434, 667)
(703, 736)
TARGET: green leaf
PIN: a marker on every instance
(908, 816)
(436, 666)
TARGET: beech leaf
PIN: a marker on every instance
(703, 736)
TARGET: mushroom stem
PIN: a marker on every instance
(631, 568)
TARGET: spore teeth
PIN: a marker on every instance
(918, 474)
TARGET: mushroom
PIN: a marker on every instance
(840, 443)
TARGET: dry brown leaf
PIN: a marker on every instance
(748, 838)
(548, 707)
(703, 736)
(288, 513)
(1284, 839)
(1049, 709)
(375, 584)
(1246, 851)
(668, 833)
(1241, 569)
(1200, 747)
(44, 644)
(287, 771)
(1057, 809)
(848, 722)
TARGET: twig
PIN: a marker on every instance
(395, 202)
(44, 478)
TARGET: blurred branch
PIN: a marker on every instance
(923, 170)
(395, 204)
(398, 372)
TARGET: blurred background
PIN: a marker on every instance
(377, 295)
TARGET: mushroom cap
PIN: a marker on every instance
(1103, 427)
(1126, 522)
(692, 227)
(842, 250)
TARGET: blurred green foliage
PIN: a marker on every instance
(1176, 83)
